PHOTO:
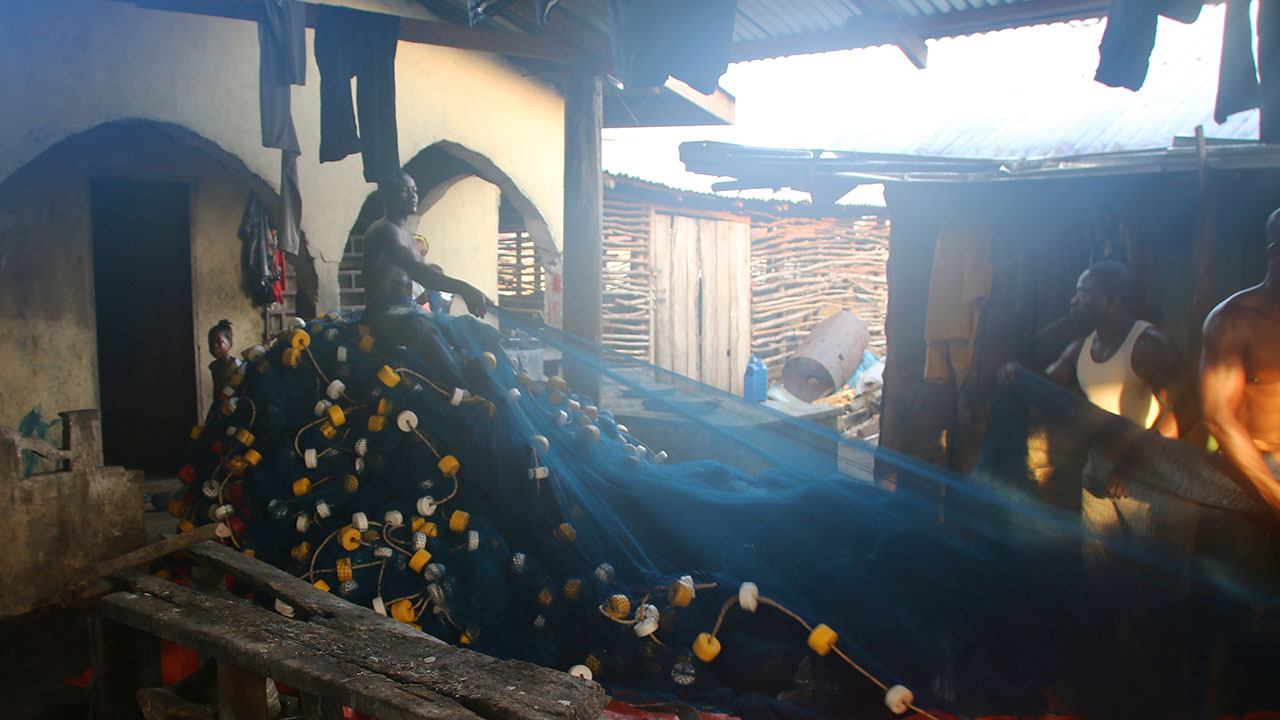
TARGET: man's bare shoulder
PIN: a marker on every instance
(1246, 301)
(1152, 340)
(382, 232)
(1240, 310)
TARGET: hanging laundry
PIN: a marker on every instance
(282, 62)
(351, 43)
(1237, 73)
(656, 38)
(258, 254)
(960, 283)
(1125, 52)
(1242, 83)
(1269, 71)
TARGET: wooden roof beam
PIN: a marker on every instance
(415, 30)
(873, 30)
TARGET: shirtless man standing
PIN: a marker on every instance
(1240, 377)
(392, 263)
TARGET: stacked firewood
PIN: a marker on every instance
(805, 269)
(626, 278)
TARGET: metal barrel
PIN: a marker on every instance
(827, 358)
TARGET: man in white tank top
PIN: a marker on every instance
(1127, 367)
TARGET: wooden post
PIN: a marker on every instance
(315, 707)
(583, 223)
(1202, 250)
(242, 695)
(124, 661)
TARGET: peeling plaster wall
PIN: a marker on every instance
(47, 318)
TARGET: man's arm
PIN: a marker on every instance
(1157, 361)
(422, 273)
(1063, 370)
(1222, 383)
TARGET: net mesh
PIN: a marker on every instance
(529, 521)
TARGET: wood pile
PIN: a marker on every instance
(628, 290)
(521, 275)
(804, 269)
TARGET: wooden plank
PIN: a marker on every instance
(710, 320)
(242, 695)
(91, 582)
(663, 327)
(740, 344)
(684, 271)
(124, 661)
(414, 30)
(307, 600)
(390, 676)
(315, 707)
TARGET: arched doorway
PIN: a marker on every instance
(127, 235)
(525, 257)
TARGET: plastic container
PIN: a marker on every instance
(755, 382)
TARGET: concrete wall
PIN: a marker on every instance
(85, 62)
(462, 232)
(47, 337)
(77, 64)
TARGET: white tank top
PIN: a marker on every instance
(1113, 385)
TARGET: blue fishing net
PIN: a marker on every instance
(766, 568)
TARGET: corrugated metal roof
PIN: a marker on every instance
(771, 28)
(1043, 111)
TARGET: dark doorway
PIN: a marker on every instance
(142, 298)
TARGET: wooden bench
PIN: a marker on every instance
(335, 653)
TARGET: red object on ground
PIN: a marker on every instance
(176, 662)
(617, 710)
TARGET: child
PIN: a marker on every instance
(224, 365)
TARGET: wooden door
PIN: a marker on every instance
(702, 298)
(142, 301)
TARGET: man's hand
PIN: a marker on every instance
(1117, 490)
(1008, 373)
(476, 302)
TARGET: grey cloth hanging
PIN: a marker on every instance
(361, 44)
(282, 62)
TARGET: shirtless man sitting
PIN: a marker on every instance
(1240, 378)
(392, 263)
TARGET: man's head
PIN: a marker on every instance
(399, 197)
(1106, 289)
(220, 339)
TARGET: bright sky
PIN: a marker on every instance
(1026, 92)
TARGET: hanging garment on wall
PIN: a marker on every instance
(961, 280)
(351, 43)
(282, 62)
(688, 41)
(1125, 51)
(257, 258)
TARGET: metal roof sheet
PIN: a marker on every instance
(773, 28)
